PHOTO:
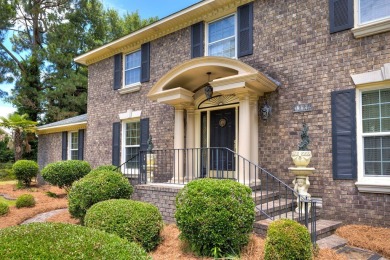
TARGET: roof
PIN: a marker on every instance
(206, 11)
(73, 123)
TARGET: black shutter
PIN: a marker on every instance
(197, 39)
(144, 128)
(340, 15)
(80, 151)
(64, 146)
(117, 71)
(344, 135)
(145, 62)
(245, 29)
(116, 143)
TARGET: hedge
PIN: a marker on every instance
(25, 170)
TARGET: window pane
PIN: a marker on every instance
(385, 124)
(225, 48)
(386, 141)
(74, 140)
(370, 97)
(132, 133)
(386, 168)
(371, 125)
(371, 10)
(133, 60)
(385, 96)
(372, 142)
(133, 76)
(370, 111)
(131, 153)
(385, 110)
(221, 38)
(221, 29)
(74, 155)
(372, 168)
(372, 155)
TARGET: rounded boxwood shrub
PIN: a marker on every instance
(25, 200)
(64, 173)
(65, 241)
(106, 167)
(4, 208)
(287, 239)
(95, 187)
(215, 216)
(25, 170)
(136, 221)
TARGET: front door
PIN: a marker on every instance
(222, 135)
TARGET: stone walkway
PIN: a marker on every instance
(352, 253)
(44, 216)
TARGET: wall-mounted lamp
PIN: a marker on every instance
(208, 90)
(265, 111)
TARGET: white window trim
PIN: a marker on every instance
(373, 80)
(135, 172)
(368, 28)
(70, 144)
(136, 86)
(206, 51)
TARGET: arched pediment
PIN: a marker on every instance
(183, 81)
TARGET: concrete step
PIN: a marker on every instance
(261, 197)
(324, 228)
(274, 208)
(332, 242)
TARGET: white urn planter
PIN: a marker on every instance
(301, 158)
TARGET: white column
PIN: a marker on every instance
(179, 144)
(244, 129)
(190, 139)
(254, 123)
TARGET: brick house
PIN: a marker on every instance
(333, 56)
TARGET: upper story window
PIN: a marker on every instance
(132, 68)
(373, 10)
(222, 37)
(73, 145)
(376, 132)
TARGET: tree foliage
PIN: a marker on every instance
(21, 126)
(45, 36)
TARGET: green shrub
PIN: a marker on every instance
(215, 216)
(287, 239)
(136, 221)
(25, 200)
(4, 208)
(25, 170)
(64, 173)
(95, 187)
(65, 241)
(107, 167)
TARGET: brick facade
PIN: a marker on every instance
(293, 45)
(49, 149)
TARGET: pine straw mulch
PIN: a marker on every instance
(372, 238)
(44, 203)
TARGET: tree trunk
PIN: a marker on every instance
(18, 144)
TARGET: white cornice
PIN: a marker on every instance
(203, 11)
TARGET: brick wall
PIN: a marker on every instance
(105, 104)
(49, 149)
(164, 198)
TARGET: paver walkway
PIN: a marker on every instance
(44, 216)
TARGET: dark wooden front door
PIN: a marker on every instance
(222, 134)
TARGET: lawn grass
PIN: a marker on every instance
(8, 182)
(9, 202)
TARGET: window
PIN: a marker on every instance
(373, 10)
(132, 68)
(73, 145)
(376, 132)
(131, 143)
(222, 37)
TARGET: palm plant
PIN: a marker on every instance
(20, 127)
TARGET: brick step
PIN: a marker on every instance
(262, 196)
(324, 228)
(274, 208)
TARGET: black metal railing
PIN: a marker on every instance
(273, 198)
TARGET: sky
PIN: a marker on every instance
(146, 8)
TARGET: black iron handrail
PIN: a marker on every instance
(273, 197)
